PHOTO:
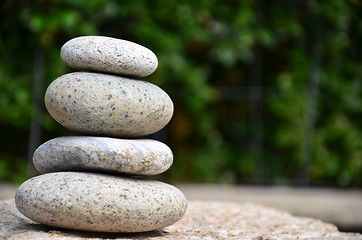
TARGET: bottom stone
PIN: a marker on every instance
(203, 220)
(99, 202)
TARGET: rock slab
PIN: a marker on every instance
(108, 105)
(100, 154)
(99, 202)
(203, 220)
(110, 55)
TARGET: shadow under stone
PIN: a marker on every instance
(83, 234)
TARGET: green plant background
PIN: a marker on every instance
(265, 92)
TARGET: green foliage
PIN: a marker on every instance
(204, 47)
(12, 169)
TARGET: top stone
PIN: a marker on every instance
(110, 55)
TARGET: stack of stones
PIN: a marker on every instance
(92, 183)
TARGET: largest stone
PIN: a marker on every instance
(97, 202)
(108, 105)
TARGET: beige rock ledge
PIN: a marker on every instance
(203, 220)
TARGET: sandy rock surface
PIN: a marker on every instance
(203, 220)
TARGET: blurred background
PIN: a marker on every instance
(265, 93)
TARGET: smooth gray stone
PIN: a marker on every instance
(100, 203)
(108, 105)
(80, 153)
(111, 55)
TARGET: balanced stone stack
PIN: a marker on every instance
(89, 182)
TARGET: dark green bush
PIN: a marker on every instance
(303, 57)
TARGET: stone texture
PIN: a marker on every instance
(203, 220)
(101, 203)
(111, 55)
(342, 207)
(82, 153)
(108, 105)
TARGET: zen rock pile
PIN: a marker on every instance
(92, 182)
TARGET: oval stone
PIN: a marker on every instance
(111, 55)
(82, 153)
(108, 105)
(102, 203)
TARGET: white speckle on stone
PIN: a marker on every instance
(108, 105)
(83, 153)
(93, 157)
(111, 55)
(101, 203)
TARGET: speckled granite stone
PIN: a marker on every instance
(203, 220)
(108, 105)
(101, 203)
(80, 153)
(111, 55)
